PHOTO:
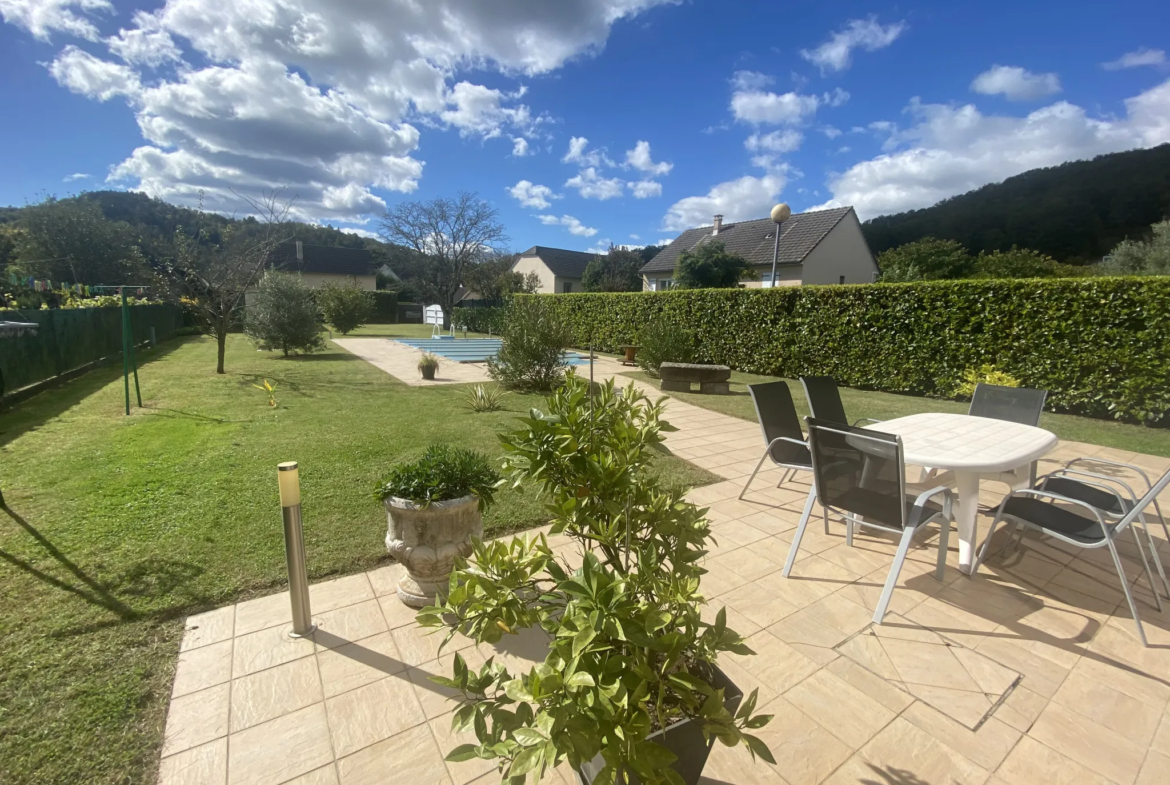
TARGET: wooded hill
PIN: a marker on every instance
(1075, 212)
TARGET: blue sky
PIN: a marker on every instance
(584, 121)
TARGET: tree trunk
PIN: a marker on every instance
(221, 339)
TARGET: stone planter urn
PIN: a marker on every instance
(426, 541)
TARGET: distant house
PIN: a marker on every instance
(322, 264)
(819, 247)
(559, 270)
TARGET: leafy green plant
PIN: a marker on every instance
(617, 270)
(984, 374)
(664, 342)
(710, 266)
(532, 356)
(284, 315)
(480, 320)
(481, 398)
(443, 473)
(629, 652)
(345, 306)
(270, 388)
(429, 362)
(925, 260)
(1134, 257)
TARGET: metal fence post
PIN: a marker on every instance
(294, 549)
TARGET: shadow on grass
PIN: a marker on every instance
(34, 412)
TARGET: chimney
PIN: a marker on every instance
(718, 225)
(300, 251)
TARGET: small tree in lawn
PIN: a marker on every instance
(614, 271)
(710, 266)
(284, 315)
(345, 306)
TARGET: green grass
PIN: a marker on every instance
(887, 406)
(122, 526)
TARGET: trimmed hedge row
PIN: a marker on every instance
(480, 320)
(1100, 346)
(385, 308)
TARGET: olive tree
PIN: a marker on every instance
(345, 306)
(283, 314)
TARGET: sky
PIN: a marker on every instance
(584, 122)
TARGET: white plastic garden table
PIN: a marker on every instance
(972, 448)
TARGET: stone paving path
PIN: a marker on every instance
(1028, 673)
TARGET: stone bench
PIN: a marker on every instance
(678, 377)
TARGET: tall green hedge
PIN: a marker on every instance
(385, 308)
(480, 320)
(1100, 346)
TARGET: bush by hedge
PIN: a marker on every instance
(385, 308)
(1100, 346)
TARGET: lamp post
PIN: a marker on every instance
(294, 549)
(780, 214)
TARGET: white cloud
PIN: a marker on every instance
(645, 189)
(830, 131)
(755, 107)
(145, 44)
(635, 237)
(640, 159)
(600, 247)
(579, 154)
(1015, 83)
(953, 149)
(530, 195)
(592, 185)
(744, 81)
(572, 224)
(836, 54)
(784, 141)
(736, 200)
(41, 18)
(82, 73)
(520, 146)
(1137, 59)
(313, 94)
(76, 176)
(666, 240)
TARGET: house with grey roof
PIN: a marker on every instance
(322, 264)
(559, 270)
(817, 247)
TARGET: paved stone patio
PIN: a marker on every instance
(1030, 672)
(401, 362)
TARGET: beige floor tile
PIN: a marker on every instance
(196, 719)
(775, 663)
(436, 699)
(1021, 708)
(805, 752)
(396, 612)
(384, 580)
(206, 628)
(1089, 743)
(326, 775)
(1161, 741)
(1155, 770)
(863, 558)
(877, 688)
(369, 714)
(347, 624)
(280, 749)
(735, 620)
(843, 710)
(359, 663)
(903, 747)
(337, 593)
(987, 746)
(1088, 694)
(1041, 675)
(464, 771)
(274, 692)
(1032, 762)
(758, 603)
(263, 612)
(267, 648)
(745, 563)
(719, 580)
(203, 667)
(734, 766)
(737, 532)
(412, 756)
(417, 645)
(772, 522)
(202, 765)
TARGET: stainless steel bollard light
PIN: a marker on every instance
(294, 549)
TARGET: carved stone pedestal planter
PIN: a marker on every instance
(426, 542)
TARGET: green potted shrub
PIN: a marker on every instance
(630, 691)
(434, 510)
(428, 364)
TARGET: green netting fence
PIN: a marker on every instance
(70, 338)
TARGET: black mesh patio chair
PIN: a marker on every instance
(1021, 405)
(824, 400)
(861, 475)
(780, 426)
(1078, 523)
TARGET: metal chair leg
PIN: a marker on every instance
(982, 554)
(892, 580)
(1017, 528)
(1125, 588)
(849, 532)
(1154, 554)
(944, 536)
(1137, 539)
(757, 471)
(796, 538)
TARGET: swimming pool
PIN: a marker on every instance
(471, 350)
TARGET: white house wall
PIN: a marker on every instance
(533, 264)
(843, 252)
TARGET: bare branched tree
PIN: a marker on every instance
(215, 276)
(451, 235)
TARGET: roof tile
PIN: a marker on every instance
(563, 263)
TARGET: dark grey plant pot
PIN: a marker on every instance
(684, 739)
(428, 372)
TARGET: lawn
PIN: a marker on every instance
(120, 526)
(887, 406)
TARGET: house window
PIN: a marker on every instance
(567, 287)
(766, 280)
(665, 283)
(842, 279)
